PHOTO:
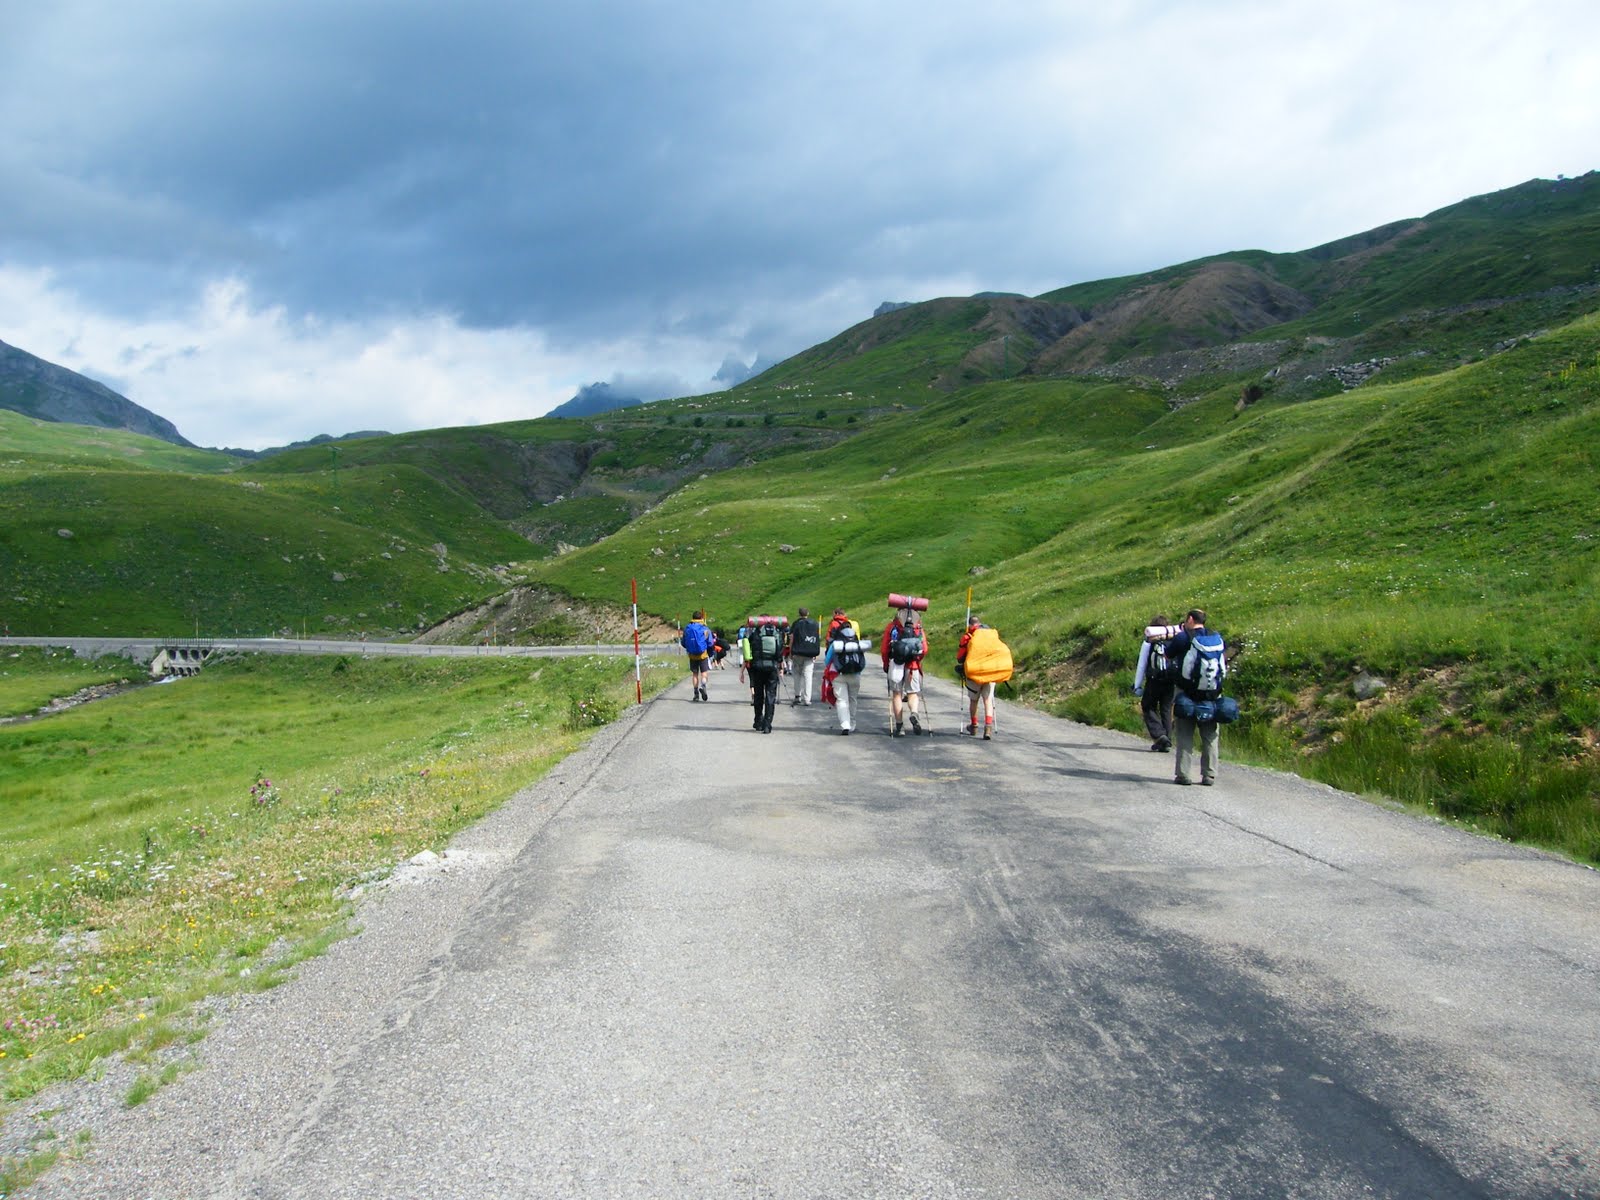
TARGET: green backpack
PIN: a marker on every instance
(766, 646)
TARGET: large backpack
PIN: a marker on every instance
(766, 645)
(1162, 666)
(1204, 666)
(849, 652)
(696, 639)
(805, 639)
(988, 659)
(909, 646)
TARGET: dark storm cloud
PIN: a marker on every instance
(356, 199)
(557, 165)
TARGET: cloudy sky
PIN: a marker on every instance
(269, 219)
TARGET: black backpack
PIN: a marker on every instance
(1162, 667)
(908, 647)
(766, 646)
(849, 652)
(805, 640)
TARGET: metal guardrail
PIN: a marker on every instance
(142, 647)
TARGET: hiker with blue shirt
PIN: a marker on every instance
(842, 666)
(1202, 654)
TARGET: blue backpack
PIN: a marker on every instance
(696, 638)
(1204, 666)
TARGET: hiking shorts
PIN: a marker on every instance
(903, 681)
(696, 665)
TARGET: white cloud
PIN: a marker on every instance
(229, 372)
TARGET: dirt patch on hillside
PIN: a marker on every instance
(1221, 302)
(533, 616)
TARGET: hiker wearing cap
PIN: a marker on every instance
(902, 649)
(805, 643)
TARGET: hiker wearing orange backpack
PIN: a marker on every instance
(983, 661)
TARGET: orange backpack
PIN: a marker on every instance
(988, 658)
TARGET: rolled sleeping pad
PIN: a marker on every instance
(1162, 632)
(754, 621)
(915, 603)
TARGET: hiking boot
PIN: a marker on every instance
(988, 733)
(916, 725)
(846, 732)
(704, 695)
(1207, 782)
(1182, 780)
(897, 730)
(972, 729)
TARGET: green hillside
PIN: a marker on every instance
(28, 442)
(1438, 533)
(114, 550)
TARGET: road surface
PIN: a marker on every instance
(699, 961)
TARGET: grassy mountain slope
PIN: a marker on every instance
(1432, 291)
(36, 388)
(93, 550)
(59, 445)
(1438, 533)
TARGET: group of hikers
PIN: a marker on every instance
(772, 648)
(1179, 676)
(1179, 684)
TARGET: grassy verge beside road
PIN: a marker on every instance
(198, 838)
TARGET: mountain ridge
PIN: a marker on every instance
(48, 392)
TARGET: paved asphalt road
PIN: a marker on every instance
(697, 961)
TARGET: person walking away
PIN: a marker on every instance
(1202, 655)
(805, 643)
(983, 661)
(1155, 682)
(840, 620)
(763, 647)
(902, 650)
(697, 642)
(842, 667)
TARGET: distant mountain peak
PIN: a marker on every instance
(47, 392)
(594, 398)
